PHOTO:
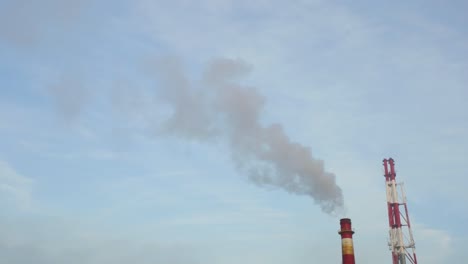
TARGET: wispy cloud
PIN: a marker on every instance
(75, 244)
(355, 81)
(15, 187)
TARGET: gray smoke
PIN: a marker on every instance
(70, 96)
(26, 23)
(219, 108)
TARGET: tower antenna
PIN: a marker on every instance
(401, 242)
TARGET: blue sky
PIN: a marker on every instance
(88, 175)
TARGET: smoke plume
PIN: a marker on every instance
(218, 107)
(70, 96)
(25, 24)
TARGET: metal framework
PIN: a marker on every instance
(401, 241)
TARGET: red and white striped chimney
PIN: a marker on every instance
(347, 248)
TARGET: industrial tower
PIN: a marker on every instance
(347, 249)
(401, 241)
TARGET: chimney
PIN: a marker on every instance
(347, 248)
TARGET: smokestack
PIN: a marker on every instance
(347, 248)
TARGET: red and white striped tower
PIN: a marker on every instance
(401, 237)
(347, 249)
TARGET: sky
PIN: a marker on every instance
(219, 131)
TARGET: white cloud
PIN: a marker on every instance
(75, 245)
(293, 47)
(14, 187)
(433, 246)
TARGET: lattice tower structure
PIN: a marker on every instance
(401, 241)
